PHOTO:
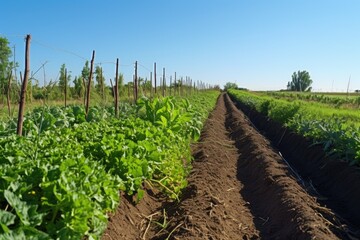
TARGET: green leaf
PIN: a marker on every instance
(140, 194)
(6, 217)
(27, 213)
(25, 233)
(164, 121)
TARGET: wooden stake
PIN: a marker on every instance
(164, 83)
(170, 86)
(117, 89)
(190, 86)
(23, 87)
(89, 84)
(155, 76)
(102, 95)
(65, 90)
(347, 91)
(181, 87)
(175, 84)
(151, 90)
(112, 90)
(135, 84)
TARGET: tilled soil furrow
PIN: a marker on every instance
(327, 176)
(282, 208)
(212, 207)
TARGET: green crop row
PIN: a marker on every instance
(337, 130)
(53, 118)
(62, 178)
(336, 101)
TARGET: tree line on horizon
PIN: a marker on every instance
(300, 82)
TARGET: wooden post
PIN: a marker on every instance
(175, 84)
(181, 87)
(170, 86)
(151, 90)
(117, 89)
(89, 84)
(155, 76)
(190, 86)
(102, 85)
(187, 86)
(112, 89)
(65, 89)
(135, 84)
(164, 83)
(23, 87)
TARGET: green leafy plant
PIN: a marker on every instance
(337, 130)
(62, 178)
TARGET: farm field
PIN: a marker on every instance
(254, 174)
(180, 120)
(249, 180)
(62, 178)
(338, 100)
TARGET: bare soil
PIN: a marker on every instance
(240, 188)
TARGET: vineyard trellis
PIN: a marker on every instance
(175, 87)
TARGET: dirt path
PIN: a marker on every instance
(239, 188)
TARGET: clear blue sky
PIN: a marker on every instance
(256, 43)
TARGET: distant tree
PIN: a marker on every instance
(62, 78)
(85, 73)
(79, 88)
(100, 81)
(300, 82)
(5, 64)
(357, 91)
(229, 85)
(121, 85)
